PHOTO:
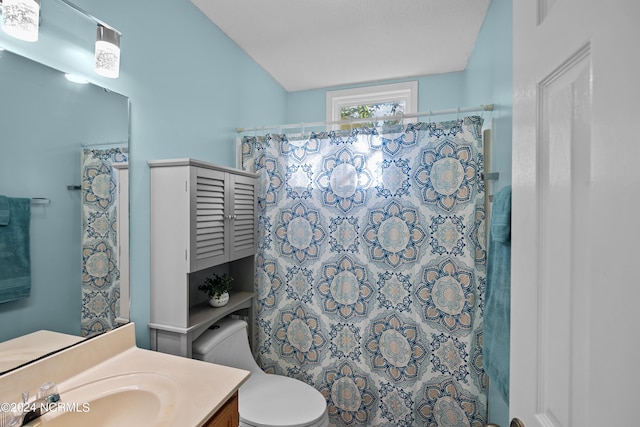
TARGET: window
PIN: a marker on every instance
(371, 101)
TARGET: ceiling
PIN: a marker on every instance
(307, 44)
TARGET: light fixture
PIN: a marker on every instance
(76, 79)
(21, 18)
(107, 52)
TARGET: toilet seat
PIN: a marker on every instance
(274, 400)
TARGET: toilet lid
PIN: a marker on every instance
(275, 400)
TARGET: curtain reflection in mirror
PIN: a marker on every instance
(100, 269)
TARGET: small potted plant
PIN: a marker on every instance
(217, 289)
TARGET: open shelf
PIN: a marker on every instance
(202, 315)
(176, 340)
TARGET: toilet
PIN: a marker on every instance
(264, 400)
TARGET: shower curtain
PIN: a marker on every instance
(370, 270)
(100, 272)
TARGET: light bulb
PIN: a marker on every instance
(21, 18)
(107, 52)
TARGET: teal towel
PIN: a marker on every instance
(497, 308)
(15, 259)
(5, 210)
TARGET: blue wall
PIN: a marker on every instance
(489, 76)
(435, 92)
(189, 86)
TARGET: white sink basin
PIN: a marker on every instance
(135, 399)
(108, 381)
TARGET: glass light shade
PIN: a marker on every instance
(107, 52)
(21, 18)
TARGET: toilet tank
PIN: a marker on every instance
(226, 343)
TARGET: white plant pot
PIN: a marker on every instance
(221, 301)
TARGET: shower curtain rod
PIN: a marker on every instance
(483, 107)
(105, 144)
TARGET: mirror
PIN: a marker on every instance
(58, 142)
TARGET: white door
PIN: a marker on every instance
(575, 338)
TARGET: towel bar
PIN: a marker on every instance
(40, 201)
(490, 176)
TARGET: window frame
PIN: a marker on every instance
(365, 95)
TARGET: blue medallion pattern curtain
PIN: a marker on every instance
(371, 270)
(100, 273)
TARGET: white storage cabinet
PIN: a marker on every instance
(202, 216)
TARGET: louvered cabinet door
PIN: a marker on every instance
(209, 222)
(242, 203)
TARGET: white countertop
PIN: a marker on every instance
(196, 389)
(16, 351)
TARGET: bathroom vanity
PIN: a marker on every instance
(203, 217)
(108, 381)
(227, 416)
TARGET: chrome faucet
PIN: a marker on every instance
(29, 411)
